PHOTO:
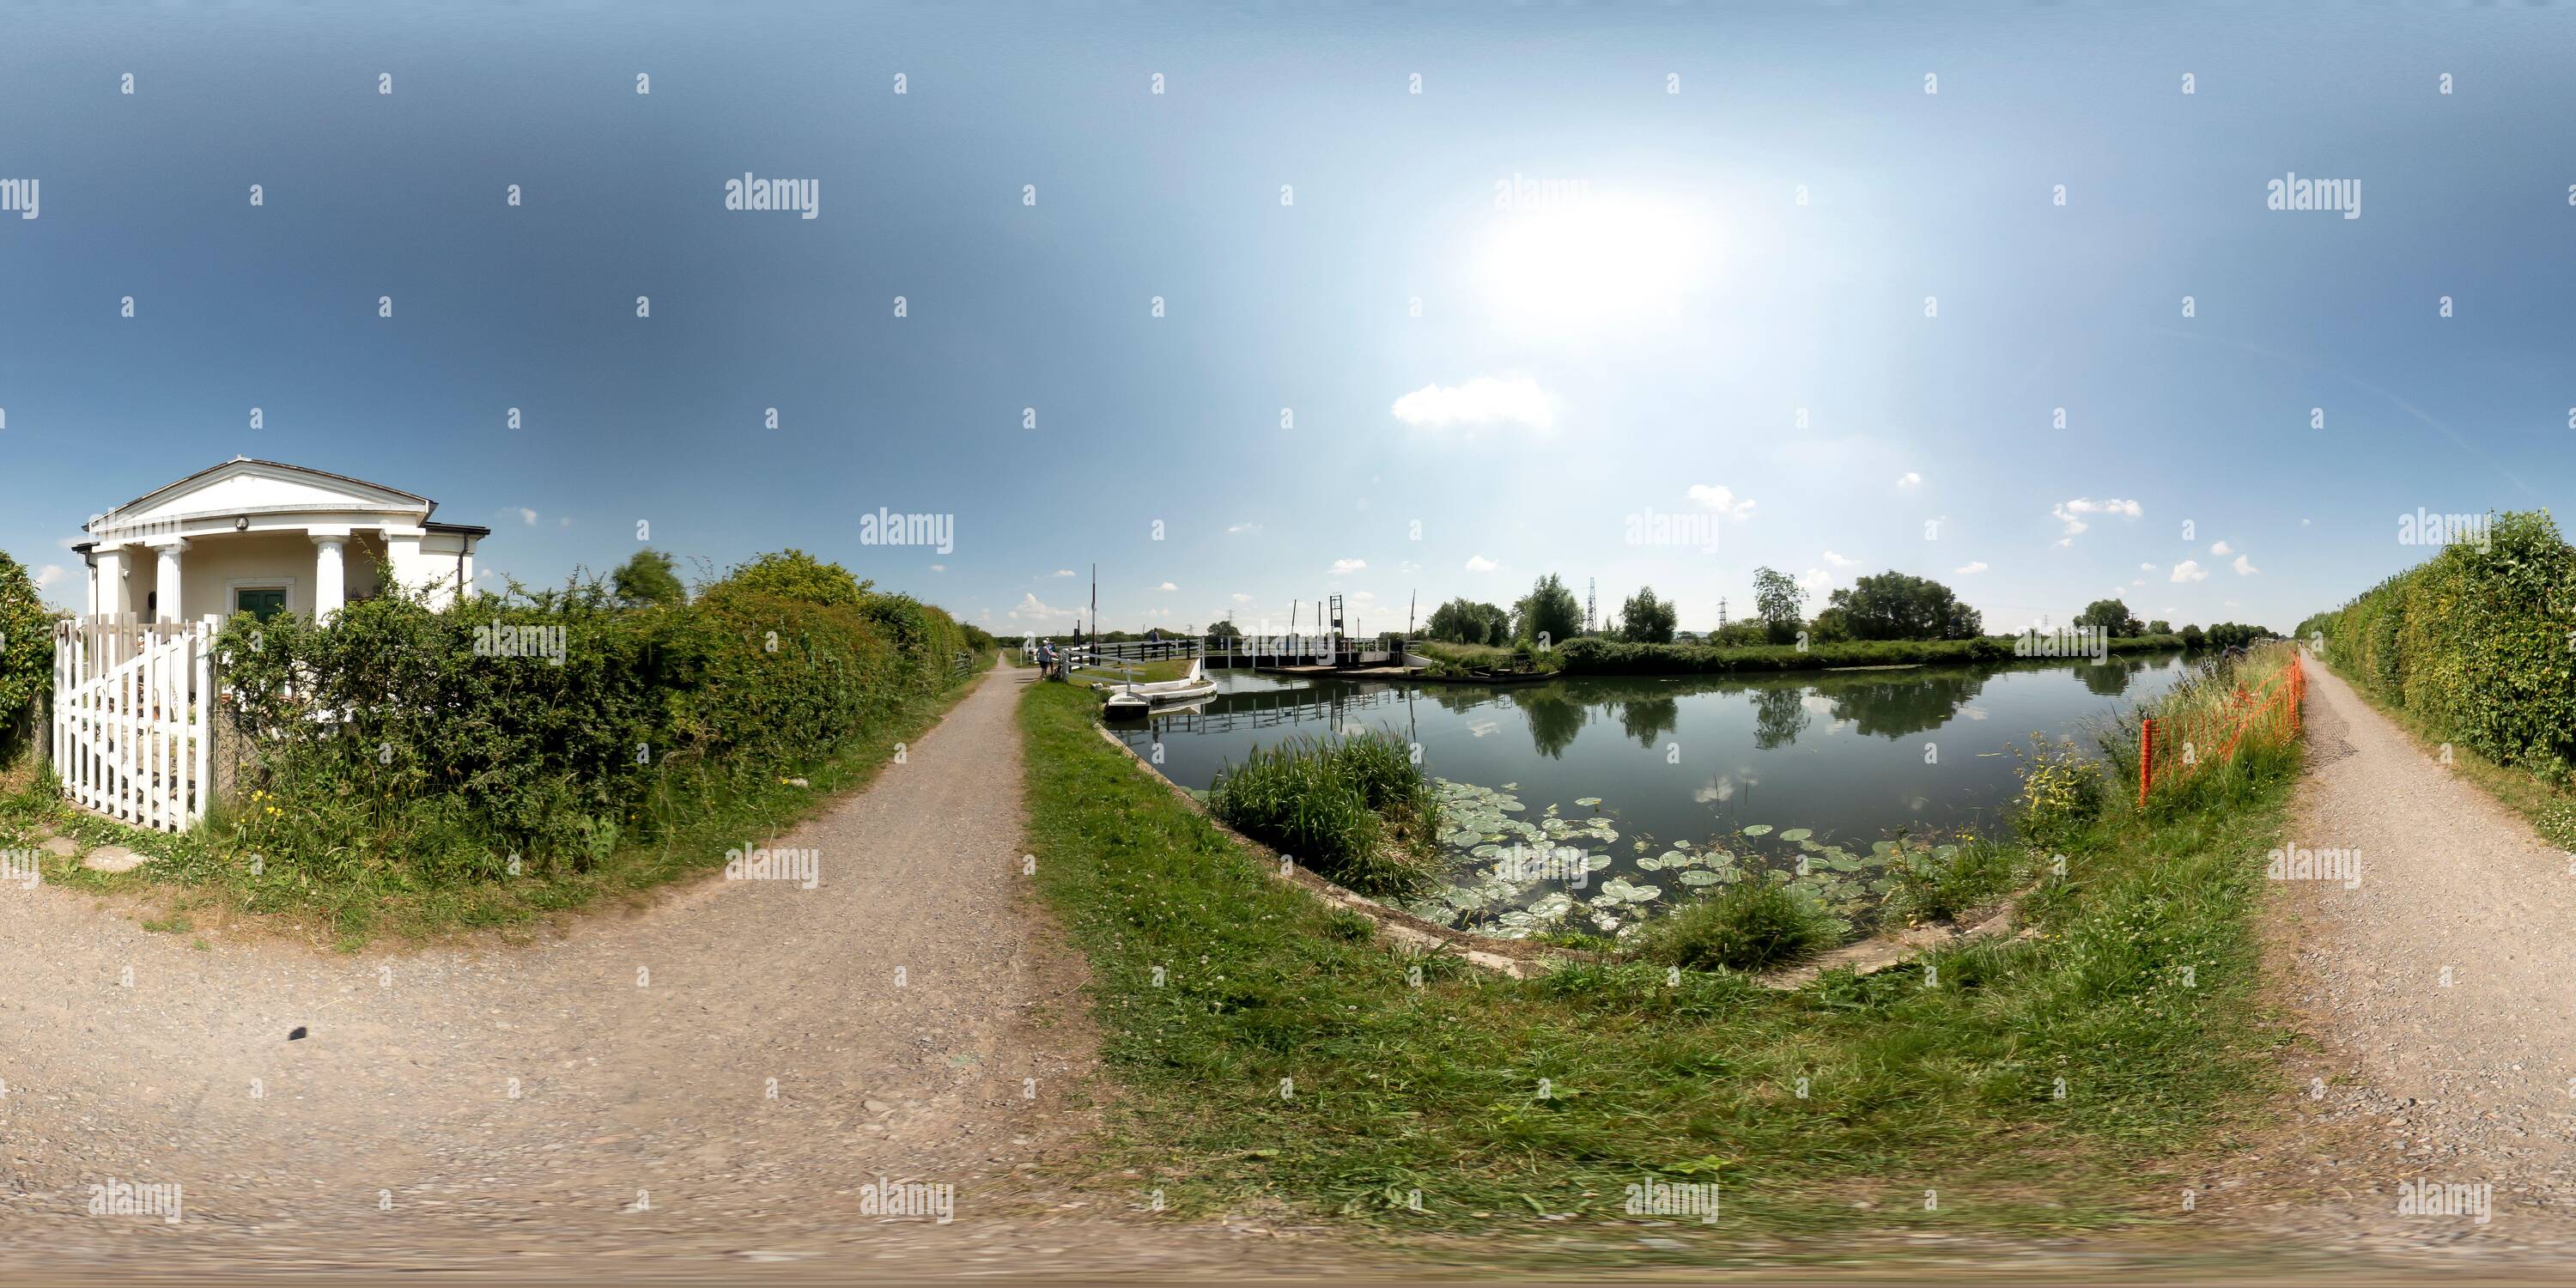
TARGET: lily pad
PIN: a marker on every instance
(1797, 834)
(1758, 829)
(1587, 801)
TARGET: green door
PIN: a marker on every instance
(262, 604)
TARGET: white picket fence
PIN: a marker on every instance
(133, 712)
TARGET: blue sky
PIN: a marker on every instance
(1632, 333)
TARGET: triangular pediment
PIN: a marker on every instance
(266, 487)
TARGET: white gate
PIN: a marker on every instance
(133, 705)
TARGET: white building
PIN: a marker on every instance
(260, 537)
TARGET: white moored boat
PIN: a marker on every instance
(1129, 701)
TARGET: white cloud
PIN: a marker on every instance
(1167, 586)
(1061, 572)
(1718, 497)
(939, 567)
(1970, 569)
(1030, 610)
(1815, 581)
(526, 515)
(564, 522)
(1245, 527)
(2146, 567)
(48, 575)
(2189, 570)
(1479, 563)
(2066, 512)
(2245, 567)
(1909, 479)
(2220, 548)
(1240, 598)
(1343, 567)
(1838, 561)
(1484, 400)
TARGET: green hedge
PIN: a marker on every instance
(2479, 642)
(548, 726)
(26, 656)
(1593, 656)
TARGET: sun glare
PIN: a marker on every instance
(1581, 265)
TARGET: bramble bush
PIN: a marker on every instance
(2478, 641)
(26, 655)
(553, 725)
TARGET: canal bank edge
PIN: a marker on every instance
(1522, 959)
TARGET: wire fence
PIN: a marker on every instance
(2172, 748)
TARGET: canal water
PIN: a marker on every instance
(1671, 786)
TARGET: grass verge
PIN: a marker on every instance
(2016, 1083)
(2550, 810)
(696, 817)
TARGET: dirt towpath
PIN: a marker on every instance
(2439, 996)
(713, 1082)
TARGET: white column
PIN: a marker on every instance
(402, 554)
(109, 595)
(330, 583)
(166, 588)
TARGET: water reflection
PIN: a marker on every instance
(1826, 765)
(1839, 751)
(1779, 715)
(1892, 704)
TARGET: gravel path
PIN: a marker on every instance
(713, 1081)
(554, 1111)
(2439, 999)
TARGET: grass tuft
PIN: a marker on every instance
(1749, 926)
(1358, 811)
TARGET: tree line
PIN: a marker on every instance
(1884, 606)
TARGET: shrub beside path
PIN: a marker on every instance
(2438, 998)
(501, 1107)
